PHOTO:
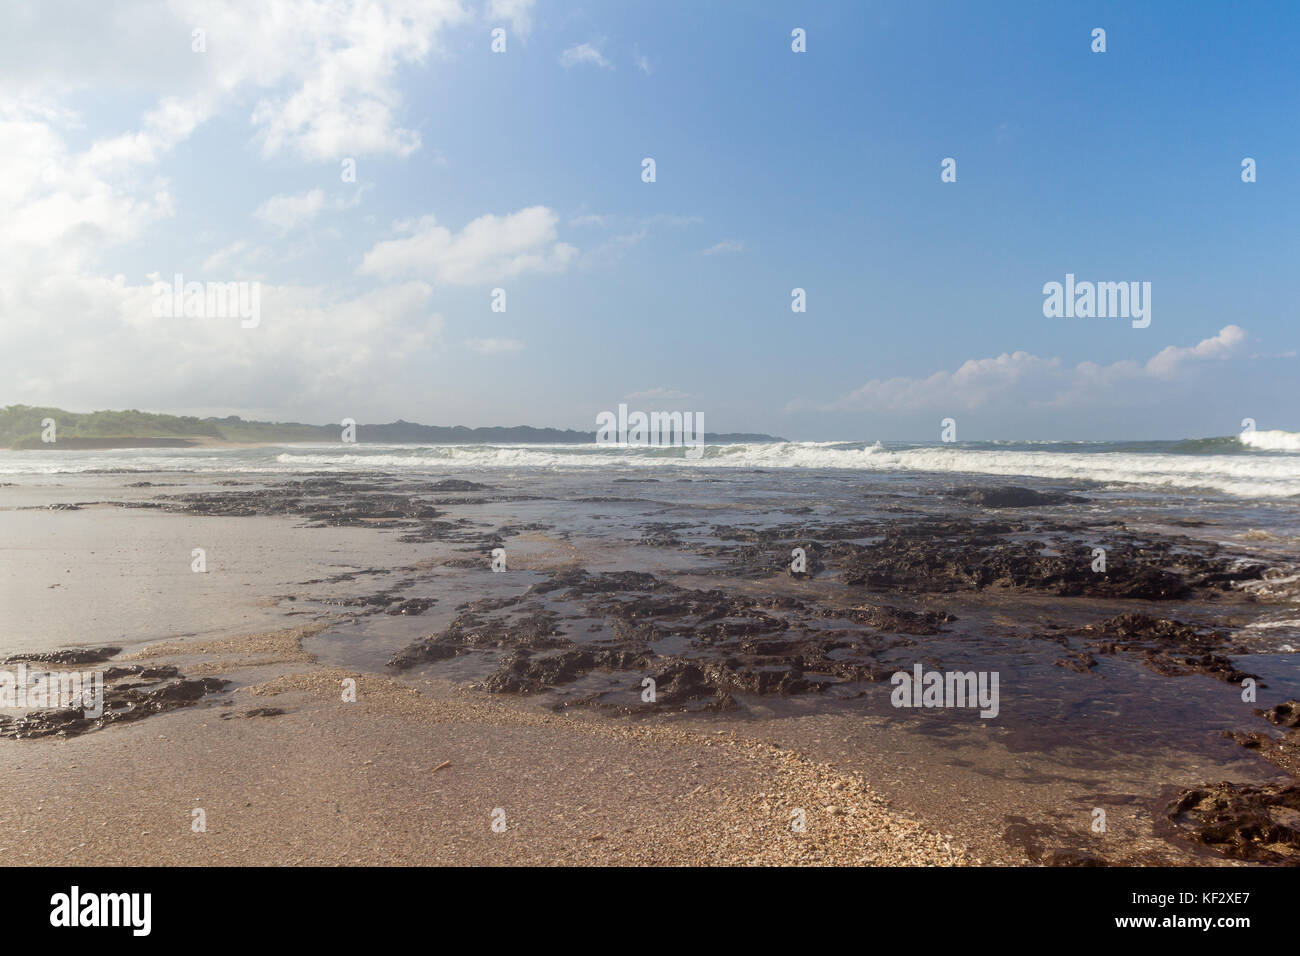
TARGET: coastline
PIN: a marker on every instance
(127, 443)
(312, 580)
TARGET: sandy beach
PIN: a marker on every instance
(413, 776)
(514, 699)
(409, 773)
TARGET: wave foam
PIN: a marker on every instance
(1271, 440)
(1240, 473)
(1237, 475)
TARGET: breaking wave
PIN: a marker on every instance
(1238, 475)
(1265, 464)
(1271, 440)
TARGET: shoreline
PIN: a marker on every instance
(146, 442)
(310, 580)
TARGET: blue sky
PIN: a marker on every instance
(139, 158)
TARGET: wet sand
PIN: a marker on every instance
(417, 775)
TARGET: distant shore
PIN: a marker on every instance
(22, 427)
(108, 443)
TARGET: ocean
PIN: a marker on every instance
(1261, 465)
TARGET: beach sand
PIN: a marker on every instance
(329, 782)
(413, 771)
(413, 775)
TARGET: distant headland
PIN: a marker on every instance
(26, 427)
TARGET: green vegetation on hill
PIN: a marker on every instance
(234, 428)
(20, 427)
(21, 424)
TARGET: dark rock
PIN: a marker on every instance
(1012, 496)
(88, 655)
(1074, 858)
(1241, 821)
(1170, 648)
(123, 703)
(1284, 715)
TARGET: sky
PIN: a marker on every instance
(377, 170)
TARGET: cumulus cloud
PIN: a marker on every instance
(584, 54)
(238, 254)
(1224, 345)
(327, 74)
(322, 78)
(286, 212)
(59, 208)
(312, 348)
(491, 248)
(518, 12)
(313, 80)
(1026, 379)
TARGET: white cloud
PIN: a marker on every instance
(68, 201)
(584, 54)
(642, 64)
(518, 12)
(312, 349)
(1022, 378)
(322, 77)
(1223, 345)
(617, 245)
(286, 212)
(329, 71)
(317, 78)
(491, 248)
(591, 219)
(62, 207)
(613, 248)
(494, 346)
(227, 256)
(726, 245)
